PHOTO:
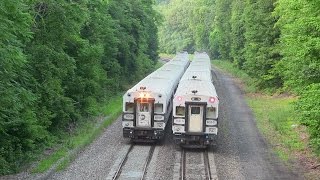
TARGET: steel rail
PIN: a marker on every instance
(183, 165)
(124, 159)
(147, 162)
(207, 165)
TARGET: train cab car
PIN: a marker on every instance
(147, 105)
(195, 105)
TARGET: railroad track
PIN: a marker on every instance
(195, 165)
(119, 169)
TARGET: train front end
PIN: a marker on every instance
(195, 119)
(144, 115)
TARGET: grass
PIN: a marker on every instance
(83, 136)
(276, 120)
(228, 67)
(47, 163)
(166, 56)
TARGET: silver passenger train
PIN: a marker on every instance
(195, 105)
(148, 105)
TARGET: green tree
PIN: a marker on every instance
(260, 39)
(237, 32)
(201, 23)
(220, 36)
(299, 22)
(308, 107)
(19, 128)
(175, 34)
(60, 60)
(57, 24)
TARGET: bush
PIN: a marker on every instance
(309, 107)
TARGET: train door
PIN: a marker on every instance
(143, 114)
(195, 118)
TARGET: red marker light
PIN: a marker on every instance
(179, 98)
(212, 99)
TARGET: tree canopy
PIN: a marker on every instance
(60, 60)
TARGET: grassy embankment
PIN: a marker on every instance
(275, 115)
(82, 136)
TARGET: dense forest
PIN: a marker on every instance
(276, 42)
(60, 60)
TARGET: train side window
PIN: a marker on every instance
(195, 110)
(158, 108)
(144, 107)
(180, 111)
(129, 107)
(211, 112)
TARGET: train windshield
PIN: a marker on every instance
(195, 110)
(144, 107)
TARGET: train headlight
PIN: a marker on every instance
(211, 122)
(144, 95)
(179, 121)
(158, 117)
(128, 116)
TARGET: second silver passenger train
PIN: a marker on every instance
(196, 105)
(147, 105)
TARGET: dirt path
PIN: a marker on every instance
(242, 153)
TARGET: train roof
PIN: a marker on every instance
(203, 88)
(203, 75)
(164, 79)
(197, 77)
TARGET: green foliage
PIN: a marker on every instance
(175, 33)
(162, 1)
(87, 131)
(136, 22)
(187, 25)
(276, 42)
(237, 33)
(52, 67)
(20, 130)
(299, 22)
(228, 67)
(261, 37)
(201, 22)
(308, 107)
(220, 36)
(276, 118)
(60, 60)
